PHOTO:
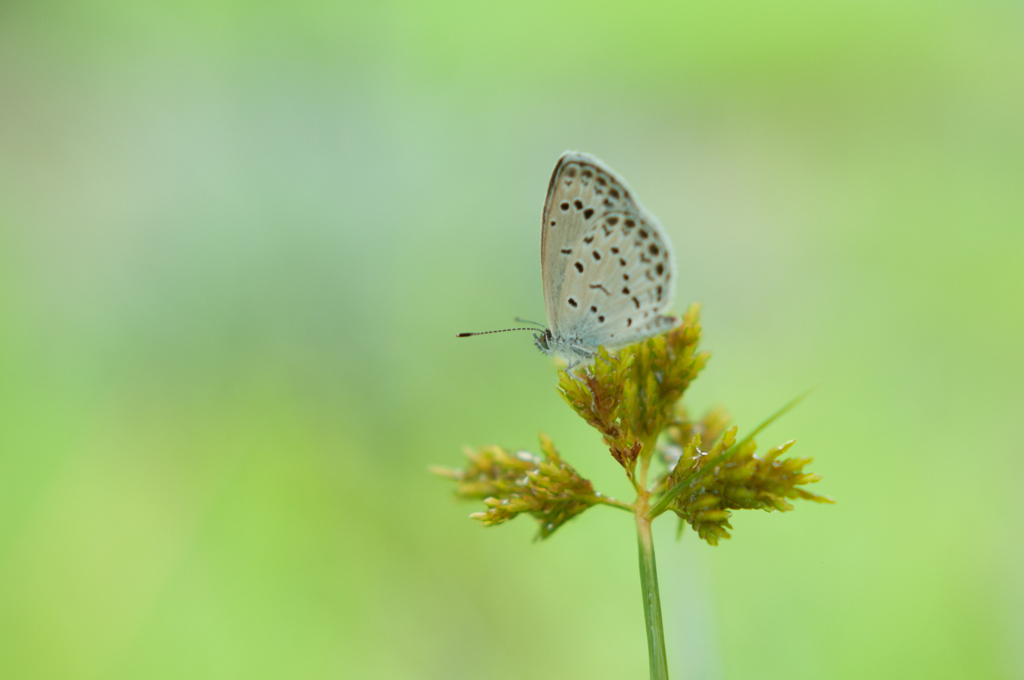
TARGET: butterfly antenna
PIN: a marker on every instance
(518, 320)
(503, 330)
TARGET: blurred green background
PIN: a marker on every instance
(236, 241)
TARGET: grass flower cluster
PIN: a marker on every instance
(742, 481)
(634, 399)
(545, 487)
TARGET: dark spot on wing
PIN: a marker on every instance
(629, 322)
(653, 249)
(636, 302)
(630, 224)
(597, 255)
(588, 213)
(600, 319)
(598, 286)
(643, 233)
(579, 266)
(613, 221)
(625, 290)
(622, 262)
(565, 205)
(573, 302)
(567, 251)
(613, 192)
(615, 251)
(660, 268)
(578, 203)
(593, 309)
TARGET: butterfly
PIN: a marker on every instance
(606, 263)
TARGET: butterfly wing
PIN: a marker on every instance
(606, 263)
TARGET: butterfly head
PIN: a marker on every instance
(544, 341)
(571, 352)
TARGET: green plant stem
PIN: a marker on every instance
(613, 503)
(649, 590)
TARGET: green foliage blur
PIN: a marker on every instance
(236, 242)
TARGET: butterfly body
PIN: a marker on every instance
(607, 265)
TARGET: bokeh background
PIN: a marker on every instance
(236, 241)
